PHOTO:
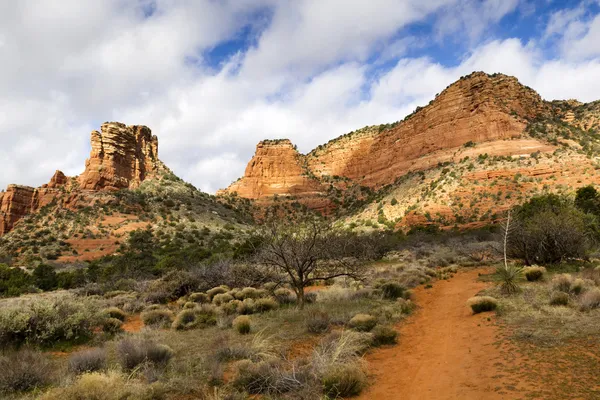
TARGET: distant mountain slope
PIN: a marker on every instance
(480, 117)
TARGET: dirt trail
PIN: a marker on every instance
(444, 352)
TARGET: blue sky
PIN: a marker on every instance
(213, 77)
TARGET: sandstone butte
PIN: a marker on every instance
(122, 157)
(479, 108)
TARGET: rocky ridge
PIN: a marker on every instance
(479, 117)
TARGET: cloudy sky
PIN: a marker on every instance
(213, 77)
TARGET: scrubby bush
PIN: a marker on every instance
(481, 304)
(109, 386)
(285, 296)
(190, 305)
(317, 321)
(265, 304)
(112, 325)
(160, 318)
(134, 352)
(232, 307)
(115, 312)
(23, 371)
(559, 299)
(48, 321)
(509, 278)
(590, 299)
(221, 298)
(310, 297)
(248, 293)
(577, 286)
(215, 291)
(344, 380)
(534, 273)
(392, 290)
(384, 335)
(362, 322)
(186, 319)
(267, 377)
(199, 298)
(242, 324)
(246, 307)
(562, 282)
(90, 360)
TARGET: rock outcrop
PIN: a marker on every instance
(122, 157)
(276, 169)
(476, 109)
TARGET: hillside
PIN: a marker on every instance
(483, 144)
(124, 187)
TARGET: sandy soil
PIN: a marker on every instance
(444, 352)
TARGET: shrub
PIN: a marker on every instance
(190, 305)
(46, 322)
(109, 386)
(392, 290)
(112, 325)
(481, 304)
(590, 299)
(310, 297)
(559, 299)
(135, 352)
(91, 360)
(186, 319)
(534, 273)
(215, 291)
(266, 377)
(384, 335)
(562, 282)
(317, 321)
(199, 298)
(344, 380)
(232, 307)
(158, 318)
(577, 286)
(362, 322)
(248, 293)
(285, 296)
(266, 304)
(115, 312)
(246, 307)
(509, 277)
(242, 324)
(221, 298)
(23, 371)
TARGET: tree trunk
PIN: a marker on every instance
(300, 295)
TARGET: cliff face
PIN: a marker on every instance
(276, 169)
(478, 108)
(121, 157)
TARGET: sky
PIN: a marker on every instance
(211, 78)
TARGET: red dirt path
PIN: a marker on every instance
(444, 351)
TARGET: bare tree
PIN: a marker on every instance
(312, 251)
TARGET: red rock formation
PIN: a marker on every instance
(122, 157)
(479, 108)
(276, 169)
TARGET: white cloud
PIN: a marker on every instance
(69, 65)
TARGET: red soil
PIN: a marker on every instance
(133, 324)
(444, 351)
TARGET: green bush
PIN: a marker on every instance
(265, 304)
(14, 281)
(344, 380)
(48, 321)
(481, 304)
(534, 273)
(215, 291)
(384, 335)
(221, 298)
(112, 325)
(161, 318)
(199, 298)
(509, 278)
(90, 360)
(362, 322)
(559, 299)
(115, 312)
(392, 290)
(242, 324)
